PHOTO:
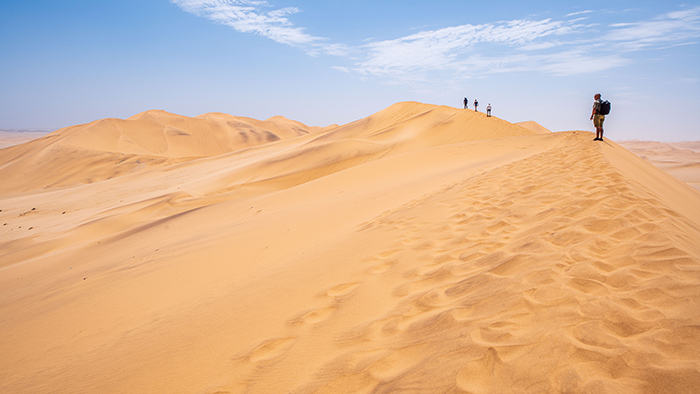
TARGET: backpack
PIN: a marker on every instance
(604, 107)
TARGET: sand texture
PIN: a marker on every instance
(423, 249)
(680, 159)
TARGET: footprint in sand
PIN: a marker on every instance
(270, 349)
(316, 316)
(477, 376)
(389, 254)
(380, 268)
(386, 260)
(342, 290)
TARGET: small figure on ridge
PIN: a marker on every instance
(600, 109)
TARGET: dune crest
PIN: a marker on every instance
(534, 126)
(421, 249)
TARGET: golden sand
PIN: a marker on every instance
(422, 249)
(680, 159)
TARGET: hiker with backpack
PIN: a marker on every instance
(600, 109)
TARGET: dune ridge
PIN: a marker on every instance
(422, 249)
(534, 126)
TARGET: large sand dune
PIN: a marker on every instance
(109, 148)
(422, 249)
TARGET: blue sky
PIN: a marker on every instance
(67, 62)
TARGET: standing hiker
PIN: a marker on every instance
(476, 104)
(488, 110)
(598, 117)
(466, 103)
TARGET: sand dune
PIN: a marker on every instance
(109, 148)
(422, 249)
(534, 126)
(680, 159)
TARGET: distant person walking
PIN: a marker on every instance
(488, 110)
(597, 117)
(476, 104)
(466, 103)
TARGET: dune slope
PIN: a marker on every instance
(423, 249)
(534, 126)
(109, 148)
(681, 159)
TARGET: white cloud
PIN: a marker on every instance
(455, 47)
(549, 46)
(563, 47)
(250, 16)
(247, 16)
(579, 13)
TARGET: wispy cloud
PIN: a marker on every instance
(668, 29)
(258, 17)
(579, 13)
(453, 47)
(248, 16)
(562, 47)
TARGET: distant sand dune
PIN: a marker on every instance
(15, 137)
(680, 159)
(534, 126)
(110, 148)
(423, 249)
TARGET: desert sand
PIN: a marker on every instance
(423, 249)
(680, 159)
(534, 126)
